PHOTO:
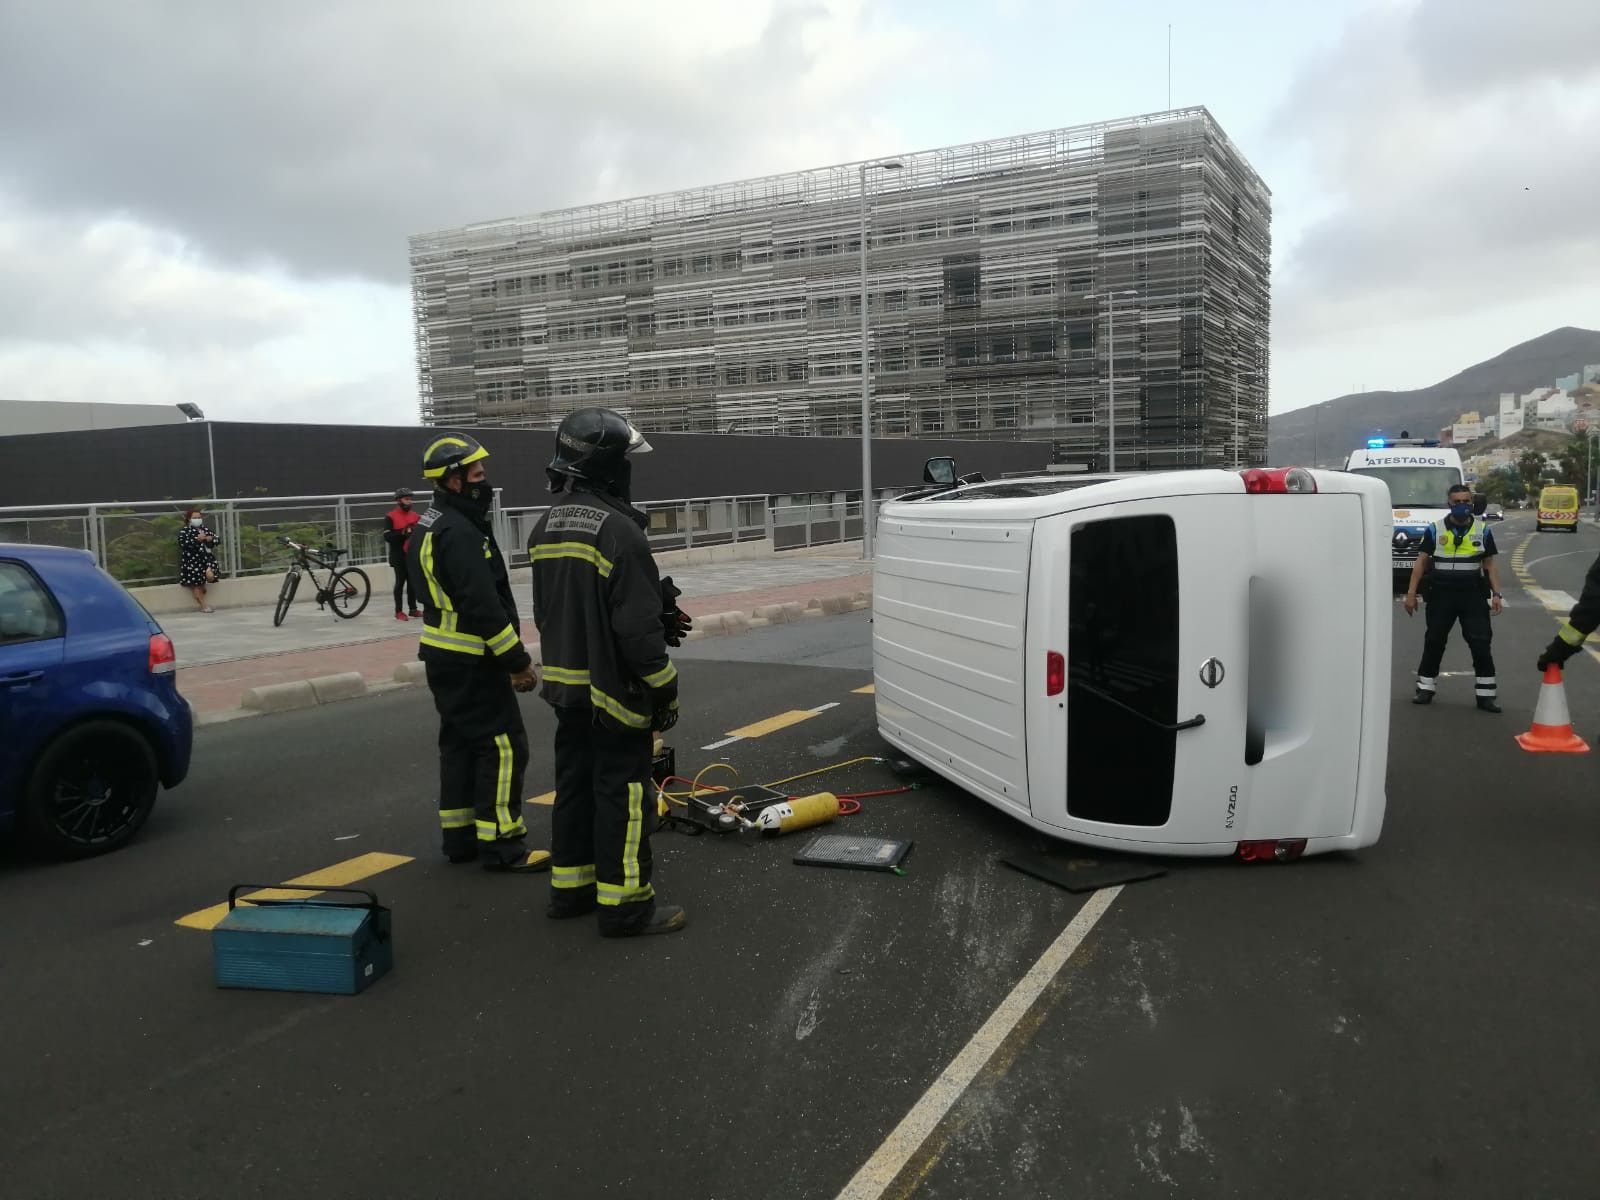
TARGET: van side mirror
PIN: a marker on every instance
(1480, 502)
(939, 470)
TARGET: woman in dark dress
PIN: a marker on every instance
(197, 557)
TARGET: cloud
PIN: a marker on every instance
(1453, 140)
(114, 280)
(320, 136)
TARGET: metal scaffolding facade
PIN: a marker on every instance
(737, 307)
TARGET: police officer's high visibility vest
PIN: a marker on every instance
(1458, 554)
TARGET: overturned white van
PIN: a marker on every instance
(1194, 662)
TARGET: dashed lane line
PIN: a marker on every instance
(770, 725)
(352, 870)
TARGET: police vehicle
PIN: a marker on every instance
(1419, 474)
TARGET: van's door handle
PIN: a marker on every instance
(1193, 722)
(21, 679)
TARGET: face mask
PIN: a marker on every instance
(405, 502)
(1459, 511)
(480, 494)
(196, 522)
(622, 485)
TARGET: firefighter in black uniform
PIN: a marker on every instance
(1464, 585)
(472, 650)
(604, 626)
(1583, 620)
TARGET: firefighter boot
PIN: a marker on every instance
(663, 918)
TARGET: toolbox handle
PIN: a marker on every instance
(233, 895)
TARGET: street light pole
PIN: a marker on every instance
(866, 375)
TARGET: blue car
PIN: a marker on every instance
(91, 722)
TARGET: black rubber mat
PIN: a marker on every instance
(1084, 874)
(854, 853)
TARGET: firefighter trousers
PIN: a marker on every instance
(603, 817)
(1446, 606)
(483, 752)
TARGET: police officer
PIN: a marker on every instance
(472, 650)
(604, 626)
(1583, 620)
(1463, 585)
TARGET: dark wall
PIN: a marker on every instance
(148, 462)
(159, 463)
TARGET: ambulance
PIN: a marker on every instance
(1187, 663)
(1419, 475)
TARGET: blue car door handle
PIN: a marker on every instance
(21, 679)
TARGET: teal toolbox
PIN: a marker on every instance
(317, 944)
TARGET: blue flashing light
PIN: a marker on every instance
(1376, 444)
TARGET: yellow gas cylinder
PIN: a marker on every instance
(800, 813)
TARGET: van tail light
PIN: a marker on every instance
(1285, 481)
(163, 656)
(1055, 674)
(1281, 850)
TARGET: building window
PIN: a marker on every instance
(967, 417)
(702, 264)
(828, 306)
(1004, 349)
(538, 283)
(489, 289)
(759, 258)
(927, 230)
(563, 281)
(1080, 282)
(1003, 291)
(672, 266)
(569, 387)
(1041, 285)
(965, 354)
(702, 317)
(795, 370)
(616, 273)
(644, 325)
(649, 381)
(705, 376)
(895, 359)
(1005, 416)
(589, 277)
(930, 420)
(677, 377)
(735, 376)
(929, 299)
(513, 287)
(564, 331)
(644, 272)
(517, 393)
(895, 301)
(1042, 345)
(826, 248)
(1080, 343)
(730, 260)
(767, 372)
(930, 356)
(963, 226)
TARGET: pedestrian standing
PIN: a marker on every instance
(604, 627)
(1458, 558)
(472, 652)
(197, 557)
(397, 534)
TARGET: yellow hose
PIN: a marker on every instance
(866, 758)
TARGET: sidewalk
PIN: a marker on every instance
(223, 654)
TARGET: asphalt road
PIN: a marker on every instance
(1417, 1020)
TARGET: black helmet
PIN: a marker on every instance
(449, 451)
(403, 494)
(592, 444)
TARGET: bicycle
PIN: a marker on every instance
(347, 590)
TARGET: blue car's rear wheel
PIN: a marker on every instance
(91, 790)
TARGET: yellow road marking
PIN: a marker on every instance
(870, 690)
(543, 798)
(363, 866)
(773, 724)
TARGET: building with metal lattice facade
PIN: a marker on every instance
(1007, 280)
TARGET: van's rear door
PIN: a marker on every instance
(1213, 606)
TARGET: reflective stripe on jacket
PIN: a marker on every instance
(1458, 554)
(458, 573)
(597, 603)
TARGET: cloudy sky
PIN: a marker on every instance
(208, 200)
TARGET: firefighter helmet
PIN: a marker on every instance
(592, 444)
(449, 451)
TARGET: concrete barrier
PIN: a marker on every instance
(411, 672)
(772, 614)
(834, 605)
(279, 697)
(346, 685)
(735, 622)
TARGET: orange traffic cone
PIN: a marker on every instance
(1552, 723)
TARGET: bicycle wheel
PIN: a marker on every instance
(349, 591)
(291, 582)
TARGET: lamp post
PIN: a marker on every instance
(866, 375)
(1111, 371)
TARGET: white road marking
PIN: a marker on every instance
(1555, 601)
(822, 708)
(1552, 558)
(886, 1163)
(724, 742)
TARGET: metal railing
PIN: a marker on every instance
(137, 543)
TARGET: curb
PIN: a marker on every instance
(348, 685)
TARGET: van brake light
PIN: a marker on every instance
(163, 656)
(1055, 674)
(1281, 850)
(1284, 481)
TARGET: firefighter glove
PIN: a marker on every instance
(1557, 653)
(665, 717)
